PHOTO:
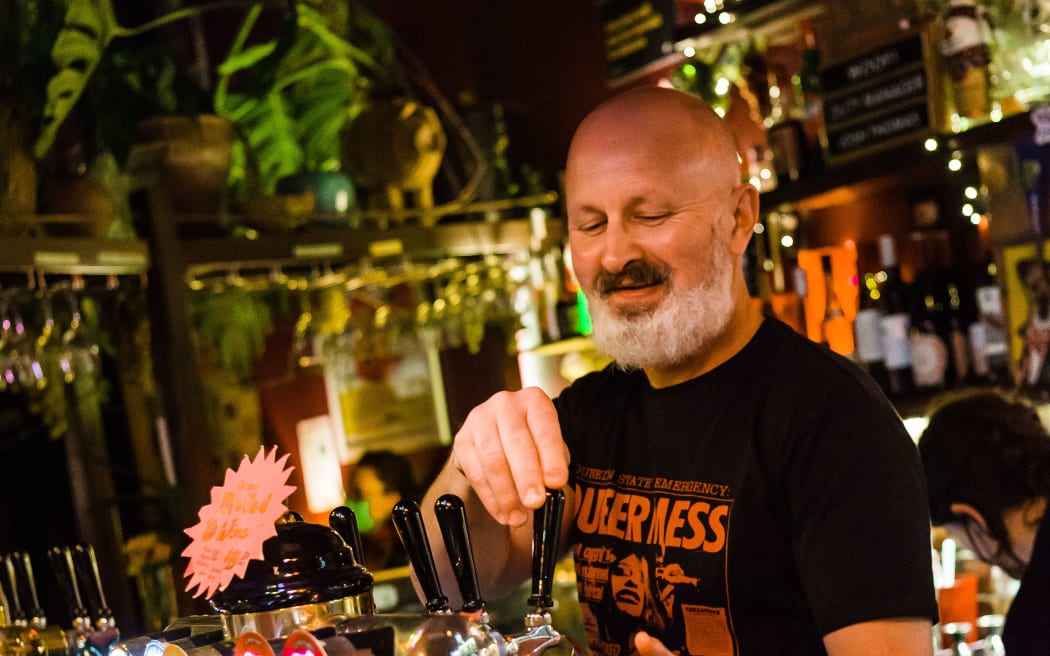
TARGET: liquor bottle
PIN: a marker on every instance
(895, 323)
(932, 355)
(867, 332)
(809, 87)
(836, 330)
(965, 45)
(784, 126)
(989, 347)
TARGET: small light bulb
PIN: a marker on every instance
(970, 192)
(931, 144)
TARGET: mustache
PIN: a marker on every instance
(636, 273)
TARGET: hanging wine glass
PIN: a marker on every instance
(47, 350)
(16, 369)
(80, 354)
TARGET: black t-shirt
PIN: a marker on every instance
(1027, 632)
(750, 510)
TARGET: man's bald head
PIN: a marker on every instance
(669, 123)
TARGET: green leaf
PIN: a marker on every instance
(246, 58)
(88, 27)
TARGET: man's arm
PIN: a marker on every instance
(896, 637)
(906, 636)
(504, 458)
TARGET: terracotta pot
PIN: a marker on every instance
(196, 162)
(18, 177)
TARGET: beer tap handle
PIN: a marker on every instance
(452, 518)
(62, 563)
(408, 520)
(9, 580)
(546, 527)
(86, 563)
(344, 521)
(27, 585)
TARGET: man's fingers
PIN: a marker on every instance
(511, 449)
(649, 646)
(550, 446)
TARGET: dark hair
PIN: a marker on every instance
(394, 470)
(987, 449)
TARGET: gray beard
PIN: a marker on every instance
(683, 325)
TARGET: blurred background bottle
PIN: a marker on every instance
(895, 322)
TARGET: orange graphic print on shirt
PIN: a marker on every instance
(650, 555)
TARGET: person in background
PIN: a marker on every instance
(767, 478)
(986, 455)
(375, 484)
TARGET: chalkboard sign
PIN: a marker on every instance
(877, 100)
(636, 33)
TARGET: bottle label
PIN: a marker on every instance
(929, 359)
(896, 341)
(868, 331)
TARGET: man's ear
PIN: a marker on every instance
(745, 216)
(967, 510)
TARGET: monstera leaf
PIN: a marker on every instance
(88, 28)
(87, 31)
(299, 90)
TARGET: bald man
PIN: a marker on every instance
(732, 487)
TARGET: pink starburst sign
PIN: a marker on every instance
(240, 517)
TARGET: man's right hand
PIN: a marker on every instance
(511, 451)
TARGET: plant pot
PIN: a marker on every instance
(333, 192)
(18, 178)
(195, 164)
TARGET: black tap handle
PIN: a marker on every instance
(546, 527)
(27, 586)
(62, 563)
(9, 580)
(344, 521)
(452, 518)
(87, 565)
(408, 520)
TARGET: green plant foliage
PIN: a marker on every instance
(298, 90)
(88, 29)
(235, 323)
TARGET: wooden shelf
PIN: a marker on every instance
(74, 255)
(324, 244)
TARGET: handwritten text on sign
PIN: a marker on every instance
(238, 520)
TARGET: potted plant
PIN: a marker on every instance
(22, 29)
(291, 95)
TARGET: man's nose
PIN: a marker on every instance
(621, 246)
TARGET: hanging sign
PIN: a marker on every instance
(240, 517)
(636, 33)
(876, 100)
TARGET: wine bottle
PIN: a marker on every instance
(867, 332)
(812, 103)
(932, 364)
(895, 327)
(989, 347)
(836, 331)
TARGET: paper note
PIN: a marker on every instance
(238, 520)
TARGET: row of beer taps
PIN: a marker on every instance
(467, 631)
(24, 627)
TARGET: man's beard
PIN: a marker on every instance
(681, 326)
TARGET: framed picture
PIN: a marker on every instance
(1027, 286)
